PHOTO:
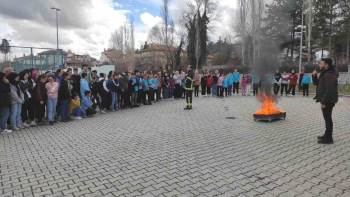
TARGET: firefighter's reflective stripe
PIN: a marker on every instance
(191, 85)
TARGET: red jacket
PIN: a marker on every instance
(209, 80)
(293, 79)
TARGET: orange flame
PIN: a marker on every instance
(268, 106)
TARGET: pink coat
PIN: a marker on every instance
(52, 89)
(244, 81)
(220, 81)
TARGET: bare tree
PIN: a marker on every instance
(168, 34)
(155, 35)
(166, 19)
(242, 27)
(249, 29)
(132, 34)
(117, 39)
(123, 38)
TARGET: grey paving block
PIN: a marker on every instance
(162, 150)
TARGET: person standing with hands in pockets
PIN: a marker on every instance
(327, 95)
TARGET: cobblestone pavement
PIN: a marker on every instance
(162, 150)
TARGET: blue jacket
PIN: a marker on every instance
(157, 83)
(145, 85)
(84, 86)
(256, 79)
(306, 79)
(109, 85)
(141, 83)
(85, 103)
(135, 82)
(236, 77)
(230, 79)
(153, 83)
(226, 81)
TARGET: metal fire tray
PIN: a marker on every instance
(270, 117)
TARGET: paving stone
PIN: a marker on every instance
(163, 150)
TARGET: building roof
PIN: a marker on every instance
(112, 53)
(26, 57)
(53, 52)
(157, 47)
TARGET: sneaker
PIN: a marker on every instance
(33, 124)
(15, 129)
(26, 125)
(51, 123)
(77, 118)
(103, 112)
(7, 131)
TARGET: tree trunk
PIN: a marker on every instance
(347, 47)
(330, 27)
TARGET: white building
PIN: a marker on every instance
(321, 54)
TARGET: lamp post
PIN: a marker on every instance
(57, 10)
(301, 39)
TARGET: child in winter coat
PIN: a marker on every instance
(305, 84)
(244, 84)
(249, 83)
(84, 85)
(17, 98)
(52, 95)
(27, 106)
(64, 95)
(284, 83)
(197, 83)
(40, 98)
(113, 86)
(256, 84)
(220, 90)
(74, 107)
(293, 80)
(236, 76)
(225, 84)
(87, 106)
(209, 84)
(5, 104)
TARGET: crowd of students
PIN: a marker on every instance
(286, 83)
(29, 98)
(223, 84)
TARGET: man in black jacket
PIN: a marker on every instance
(64, 96)
(327, 95)
(76, 82)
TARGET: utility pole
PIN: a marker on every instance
(243, 27)
(309, 27)
(57, 10)
(253, 19)
(301, 38)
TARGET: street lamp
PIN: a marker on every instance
(57, 10)
(301, 38)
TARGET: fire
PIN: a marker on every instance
(268, 106)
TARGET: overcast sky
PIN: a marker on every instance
(86, 25)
